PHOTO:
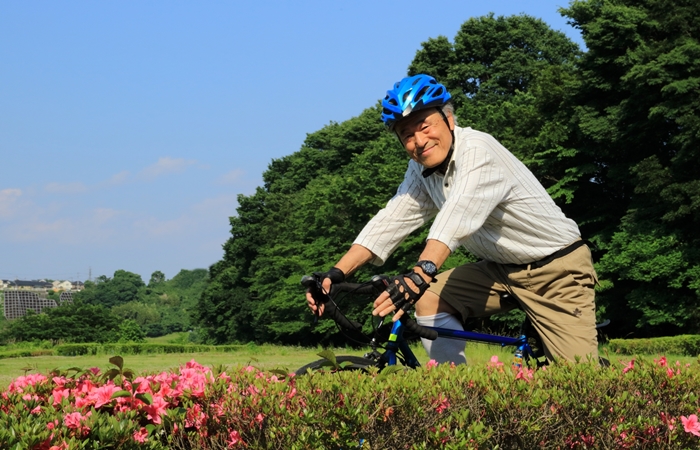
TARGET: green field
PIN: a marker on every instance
(261, 356)
(265, 357)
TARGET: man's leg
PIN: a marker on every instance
(559, 299)
(465, 291)
(431, 312)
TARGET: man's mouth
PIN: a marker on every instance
(425, 149)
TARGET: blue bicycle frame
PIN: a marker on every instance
(396, 344)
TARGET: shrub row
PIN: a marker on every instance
(686, 345)
(139, 348)
(641, 405)
(23, 353)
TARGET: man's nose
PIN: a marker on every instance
(420, 139)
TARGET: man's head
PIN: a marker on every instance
(417, 109)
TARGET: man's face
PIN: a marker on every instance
(426, 137)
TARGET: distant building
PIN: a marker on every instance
(32, 285)
(17, 302)
(62, 286)
(65, 298)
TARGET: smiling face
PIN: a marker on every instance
(426, 137)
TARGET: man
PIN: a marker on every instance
(484, 198)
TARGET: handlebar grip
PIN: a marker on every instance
(412, 326)
(340, 319)
(314, 286)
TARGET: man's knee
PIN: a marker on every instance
(430, 304)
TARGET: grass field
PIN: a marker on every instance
(262, 356)
(266, 357)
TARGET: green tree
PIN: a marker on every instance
(130, 331)
(74, 322)
(157, 278)
(122, 288)
(637, 112)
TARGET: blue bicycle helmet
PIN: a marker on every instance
(412, 94)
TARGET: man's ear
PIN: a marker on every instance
(451, 121)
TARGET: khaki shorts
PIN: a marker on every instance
(558, 297)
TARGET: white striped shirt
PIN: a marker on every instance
(487, 201)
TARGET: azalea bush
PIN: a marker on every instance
(639, 404)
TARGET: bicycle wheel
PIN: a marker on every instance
(344, 363)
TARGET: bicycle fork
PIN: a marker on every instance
(397, 345)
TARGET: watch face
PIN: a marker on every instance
(429, 267)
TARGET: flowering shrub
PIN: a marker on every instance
(640, 404)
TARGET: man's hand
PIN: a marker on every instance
(402, 293)
(334, 275)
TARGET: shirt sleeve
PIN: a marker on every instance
(480, 184)
(410, 208)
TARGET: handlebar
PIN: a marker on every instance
(375, 286)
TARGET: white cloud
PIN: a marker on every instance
(231, 177)
(8, 201)
(65, 188)
(118, 178)
(205, 214)
(166, 166)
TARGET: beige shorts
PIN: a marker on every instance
(558, 297)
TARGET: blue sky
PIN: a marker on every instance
(127, 129)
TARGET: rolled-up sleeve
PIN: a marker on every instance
(410, 208)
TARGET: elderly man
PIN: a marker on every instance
(483, 198)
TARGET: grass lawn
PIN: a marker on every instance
(262, 356)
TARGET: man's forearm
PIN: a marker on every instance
(434, 251)
(355, 258)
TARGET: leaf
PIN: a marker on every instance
(117, 361)
(111, 374)
(330, 356)
(145, 397)
(119, 394)
(280, 372)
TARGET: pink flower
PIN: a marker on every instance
(525, 374)
(442, 404)
(192, 364)
(59, 395)
(234, 438)
(103, 394)
(494, 362)
(25, 381)
(691, 424)
(63, 446)
(141, 435)
(75, 421)
(195, 417)
(432, 363)
(662, 361)
(629, 367)
(156, 409)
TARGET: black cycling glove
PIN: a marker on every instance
(336, 275)
(401, 295)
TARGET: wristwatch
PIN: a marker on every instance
(428, 267)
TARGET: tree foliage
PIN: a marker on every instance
(612, 132)
(638, 114)
(121, 308)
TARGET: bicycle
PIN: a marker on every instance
(528, 347)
